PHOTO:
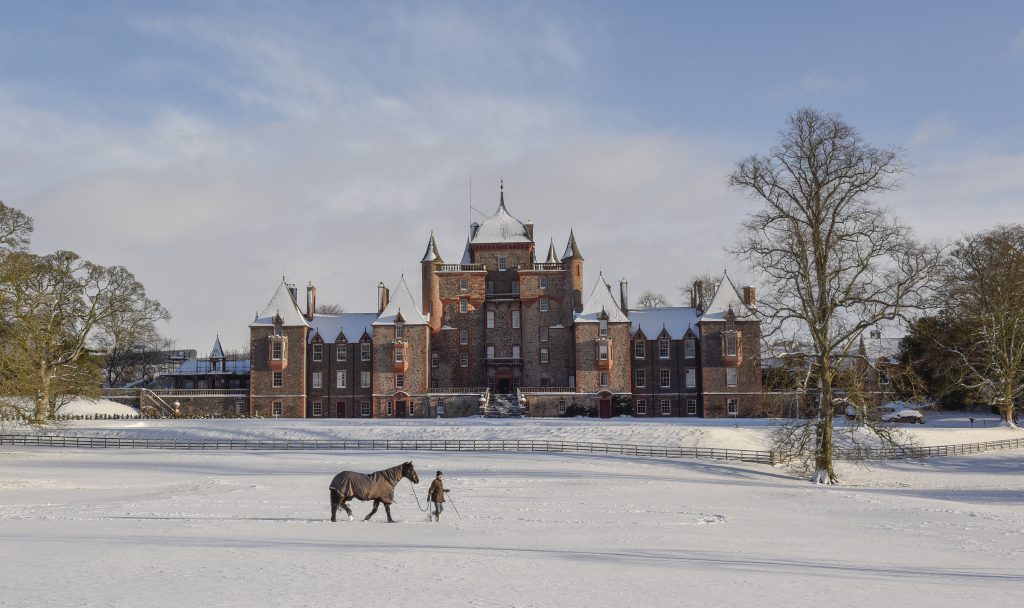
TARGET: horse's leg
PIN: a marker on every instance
(335, 495)
(376, 503)
(387, 509)
(344, 505)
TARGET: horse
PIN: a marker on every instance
(378, 487)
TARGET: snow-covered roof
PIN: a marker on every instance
(401, 302)
(281, 304)
(675, 320)
(502, 227)
(432, 255)
(727, 297)
(193, 367)
(572, 251)
(350, 325)
(467, 254)
(218, 350)
(552, 256)
(601, 300)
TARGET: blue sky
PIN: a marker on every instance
(212, 147)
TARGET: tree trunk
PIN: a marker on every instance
(824, 472)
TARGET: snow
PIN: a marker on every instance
(281, 304)
(726, 298)
(675, 320)
(350, 325)
(401, 302)
(127, 528)
(501, 228)
(94, 407)
(601, 301)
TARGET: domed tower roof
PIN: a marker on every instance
(502, 227)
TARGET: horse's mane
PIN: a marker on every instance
(392, 475)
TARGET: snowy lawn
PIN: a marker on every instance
(163, 528)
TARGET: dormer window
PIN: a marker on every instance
(399, 330)
(603, 328)
(664, 348)
(318, 352)
(731, 344)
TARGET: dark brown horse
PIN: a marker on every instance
(378, 487)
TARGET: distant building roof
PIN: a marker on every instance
(674, 320)
(193, 367)
(349, 325)
(218, 350)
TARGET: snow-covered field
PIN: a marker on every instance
(164, 528)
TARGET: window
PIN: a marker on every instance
(391, 408)
(318, 408)
(664, 347)
(364, 408)
(399, 381)
(399, 355)
(640, 349)
(543, 332)
(691, 407)
(730, 325)
(604, 378)
(434, 360)
(364, 351)
(412, 410)
(543, 304)
(364, 379)
(278, 379)
(603, 328)
(664, 378)
(515, 287)
(515, 351)
(561, 406)
(688, 348)
(490, 351)
(602, 351)
(463, 359)
(464, 284)
(691, 377)
(501, 263)
(342, 379)
(318, 352)
(439, 407)
(640, 378)
(276, 351)
(317, 380)
(543, 355)
(666, 407)
(240, 408)
(543, 282)
(341, 352)
(515, 319)
(463, 305)
(276, 409)
(545, 382)
(641, 407)
(731, 344)
(463, 336)
(490, 319)
(490, 287)
(730, 376)
(732, 408)
(399, 330)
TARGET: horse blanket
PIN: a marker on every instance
(368, 487)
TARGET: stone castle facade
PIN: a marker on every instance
(506, 329)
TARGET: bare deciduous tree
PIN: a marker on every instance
(705, 284)
(329, 309)
(832, 262)
(651, 299)
(984, 296)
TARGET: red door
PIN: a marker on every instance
(604, 408)
(342, 409)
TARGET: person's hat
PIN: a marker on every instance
(439, 473)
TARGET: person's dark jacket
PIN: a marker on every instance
(436, 491)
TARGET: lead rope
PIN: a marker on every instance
(417, 497)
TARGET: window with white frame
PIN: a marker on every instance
(543, 333)
(604, 378)
(731, 346)
(341, 352)
(399, 331)
(342, 379)
(689, 348)
(490, 319)
(543, 355)
(276, 408)
(640, 349)
(490, 351)
(732, 407)
(641, 407)
(439, 406)
(318, 352)
(561, 406)
(516, 352)
(364, 351)
(463, 305)
(435, 360)
(691, 378)
(464, 284)
(390, 408)
(543, 304)
(240, 408)
(666, 407)
(463, 336)
(664, 348)
(664, 378)
(640, 377)
(543, 282)
(463, 359)
(602, 328)
(276, 351)
(318, 408)
(602, 351)
(399, 355)
(399, 381)
(412, 410)
(730, 376)
(691, 407)
(502, 263)
(364, 408)
(317, 380)
(278, 379)
(364, 379)
(515, 319)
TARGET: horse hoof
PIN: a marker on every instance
(350, 518)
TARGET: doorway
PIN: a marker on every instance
(400, 410)
(504, 386)
(604, 408)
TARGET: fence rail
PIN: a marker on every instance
(919, 452)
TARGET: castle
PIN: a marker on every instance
(506, 331)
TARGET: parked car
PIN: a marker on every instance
(898, 412)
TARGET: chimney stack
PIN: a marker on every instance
(750, 296)
(529, 228)
(294, 291)
(310, 301)
(624, 296)
(382, 297)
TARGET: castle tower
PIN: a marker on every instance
(430, 285)
(574, 268)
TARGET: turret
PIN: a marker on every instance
(574, 268)
(430, 284)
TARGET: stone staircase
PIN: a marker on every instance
(503, 406)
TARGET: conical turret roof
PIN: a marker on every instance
(552, 256)
(572, 251)
(218, 350)
(431, 254)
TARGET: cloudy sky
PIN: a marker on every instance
(211, 147)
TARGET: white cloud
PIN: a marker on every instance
(932, 129)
